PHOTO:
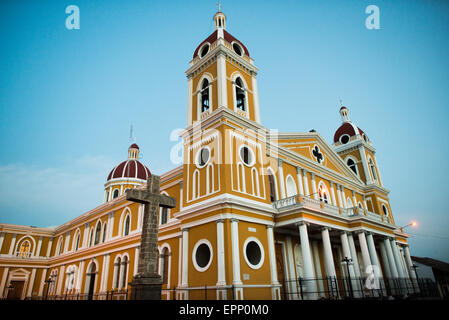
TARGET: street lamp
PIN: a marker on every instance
(348, 261)
(412, 223)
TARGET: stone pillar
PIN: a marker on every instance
(31, 283)
(329, 260)
(221, 276)
(375, 259)
(300, 182)
(386, 264)
(391, 262)
(185, 262)
(4, 293)
(314, 189)
(236, 280)
(347, 254)
(290, 283)
(306, 183)
(412, 272)
(309, 273)
(275, 292)
(12, 245)
(355, 260)
(281, 179)
(340, 201)
(37, 253)
(2, 237)
(221, 82)
(334, 199)
(42, 284)
(364, 250)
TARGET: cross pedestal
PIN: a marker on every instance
(147, 283)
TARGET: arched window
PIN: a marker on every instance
(97, 233)
(240, 94)
(116, 193)
(323, 194)
(117, 264)
(59, 246)
(164, 215)
(126, 226)
(164, 265)
(272, 183)
(196, 185)
(205, 96)
(210, 178)
(77, 243)
(291, 186)
(24, 251)
(91, 237)
(351, 164)
(373, 169)
(104, 232)
(241, 177)
(124, 271)
(255, 182)
(385, 210)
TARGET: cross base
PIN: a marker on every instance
(146, 287)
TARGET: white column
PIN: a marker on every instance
(347, 254)
(139, 217)
(136, 261)
(238, 291)
(37, 253)
(328, 257)
(4, 292)
(221, 81)
(255, 98)
(343, 196)
(378, 170)
(275, 292)
(2, 237)
(314, 190)
(372, 251)
(355, 260)
(281, 179)
(383, 254)
(50, 243)
(309, 273)
(189, 99)
(181, 191)
(354, 199)
(185, 261)
(60, 280)
(42, 284)
(317, 264)
(397, 259)
(105, 273)
(306, 183)
(79, 277)
(391, 262)
(299, 178)
(85, 235)
(291, 269)
(31, 283)
(13, 244)
(365, 165)
(340, 202)
(412, 272)
(66, 242)
(221, 277)
(334, 200)
(111, 223)
(364, 250)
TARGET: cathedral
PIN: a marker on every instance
(259, 214)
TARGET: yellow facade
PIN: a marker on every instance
(244, 200)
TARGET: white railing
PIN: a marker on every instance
(317, 205)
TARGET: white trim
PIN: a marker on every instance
(195, 248)
(262, 253)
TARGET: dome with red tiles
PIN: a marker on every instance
(131, 168)
(347, 130)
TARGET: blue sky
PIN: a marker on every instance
(68, 97)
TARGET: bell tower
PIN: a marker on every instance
(222, 75)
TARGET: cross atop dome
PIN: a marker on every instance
(220, 19)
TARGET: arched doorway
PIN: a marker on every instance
(90, 280)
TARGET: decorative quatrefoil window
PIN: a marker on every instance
(317, 154)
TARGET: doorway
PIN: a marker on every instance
(16, 290)
(280, 268)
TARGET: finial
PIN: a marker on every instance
(131, 138)
(219, 6)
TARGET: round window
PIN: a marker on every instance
(247, 156)
(344, 139)
(202, 255)
(204, 50)
(254, 254)
(202, 157)
(237, 49)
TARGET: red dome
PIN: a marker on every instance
(130, 169)
(214, 36)
(135, 146)
(347, 128)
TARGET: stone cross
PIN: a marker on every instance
(147, 277)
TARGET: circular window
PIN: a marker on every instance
(202, 157)
(253, 253)
(344, 139)
(204, 50)
(202, 255)
(237, 49)
(246, 155)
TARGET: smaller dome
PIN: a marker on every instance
(349, 129)
(135, 146)
(129, 169)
